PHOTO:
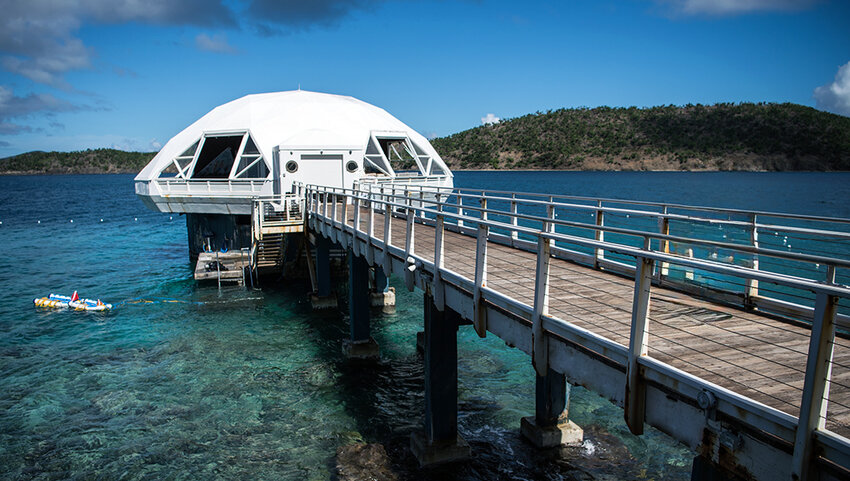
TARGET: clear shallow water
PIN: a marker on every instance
(251, 384)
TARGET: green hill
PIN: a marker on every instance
(97, 161)
(694, 137)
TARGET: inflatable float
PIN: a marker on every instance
(73, 302)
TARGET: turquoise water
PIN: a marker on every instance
(251, 384)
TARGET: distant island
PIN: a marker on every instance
(93, 161)
(747, 136)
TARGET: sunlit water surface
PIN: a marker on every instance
(187, 382)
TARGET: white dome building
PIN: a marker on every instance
(260, 145)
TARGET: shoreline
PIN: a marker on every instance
(134, 172)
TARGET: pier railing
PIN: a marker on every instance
(404, 179)
(722, 255)
(761, 240)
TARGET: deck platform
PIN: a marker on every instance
(230, 267)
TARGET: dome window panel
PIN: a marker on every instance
(217, 155)
(251, 167)
(250, 147)
(426, 162)
(251, 164)
(179, 167)
(398, 153)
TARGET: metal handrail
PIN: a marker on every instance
(647, 252)
(745, 248)
(484, 192)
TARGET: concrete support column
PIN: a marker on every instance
(360, 345)
(382, 294)
(324, 298)
(549, 426)
(440, 442)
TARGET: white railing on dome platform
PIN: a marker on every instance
(213, 187)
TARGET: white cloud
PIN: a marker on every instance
(15, 107)
(835, 97)
(155, 144)
(490, 119)
(217, 43)
(301, 14)
(732, 7)
(38, 38)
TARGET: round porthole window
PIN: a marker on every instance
(292, 166)
(351, 166)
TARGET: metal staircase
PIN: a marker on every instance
(271, 221)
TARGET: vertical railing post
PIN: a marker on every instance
(459, 200)
(325, 212)
(371, 225)
(344, 210)
(259, 206)
(599, 234)
(753, 284)
(370, 232)
(664, 229)
(408, 242)
(333, 209)
(285, 201)
(411, 222)
(388, 237)
(539, 342)
(479, 312)
(815, 387)
(635, 398)
(830, 274)
(356, 223)
(514, 219)
(439, 246)
(333, 201)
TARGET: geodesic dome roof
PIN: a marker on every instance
(295, 119)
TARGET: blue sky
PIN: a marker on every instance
(130, 74)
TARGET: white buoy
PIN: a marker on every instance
(101, 220)
(135, 219)
(39, 222)
(72, 221)
(170, 217)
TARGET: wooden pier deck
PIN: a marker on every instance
(757, 355)
(739, 375)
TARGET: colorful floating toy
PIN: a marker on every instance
(73, 302)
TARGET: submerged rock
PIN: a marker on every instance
(356, 462)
